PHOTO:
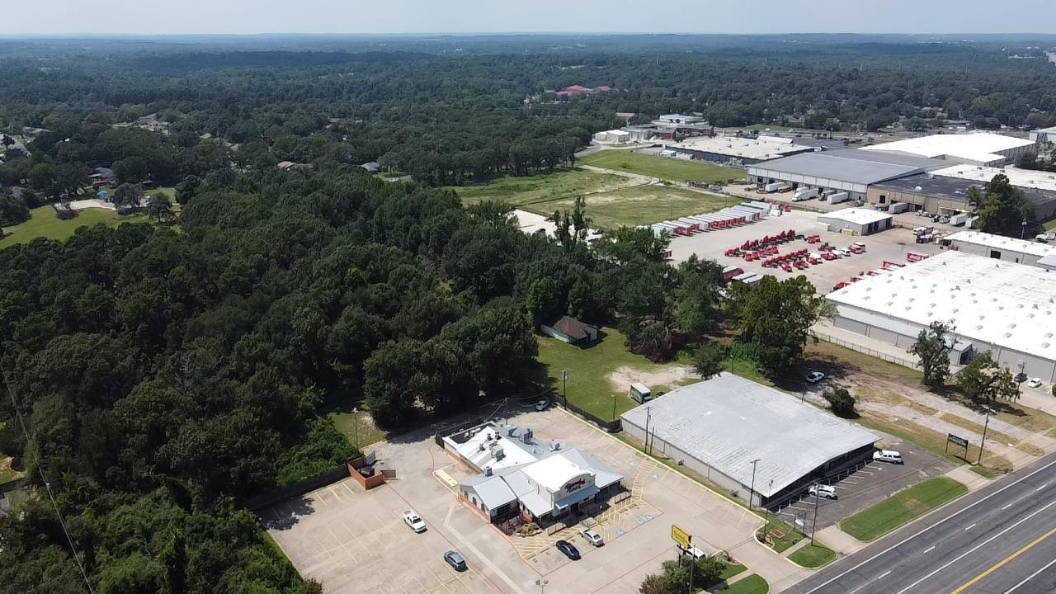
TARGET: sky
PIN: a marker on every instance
(145, 17)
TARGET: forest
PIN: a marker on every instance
(157, 376)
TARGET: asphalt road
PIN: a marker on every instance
(1001, 540)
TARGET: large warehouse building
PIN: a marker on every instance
(848, 170)
(733, 149)
(977, 148)
(1002, 307)
(751, 440)
(1009, 249)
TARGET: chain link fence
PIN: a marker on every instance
(904, 362)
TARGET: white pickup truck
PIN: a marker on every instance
(411, 518)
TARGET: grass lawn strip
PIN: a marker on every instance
(731, 570)
(639, 205)
(752, 584)
(899, 509)
(662, 167)
(812, 556)
(589, 368)
(43, 223)
(782, 535)
(358, 426)
(543, 188)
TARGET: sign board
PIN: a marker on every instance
(680, 536)
(958, 440)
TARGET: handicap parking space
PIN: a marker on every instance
(862, 486)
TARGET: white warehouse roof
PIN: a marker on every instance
(857, 216)
(999, 242)
(728, 421)
(1002, 303)
(1022, 178)
(977, 146)
(764, 147)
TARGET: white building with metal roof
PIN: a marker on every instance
(719, 427)
(746, 151)
(518, 475)
(1009, 249)
(976, 148)
(991, 305)
(856, 221)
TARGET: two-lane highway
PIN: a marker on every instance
(1001, 539)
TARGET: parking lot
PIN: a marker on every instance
(864, 486)
(891, 245)
(355, 541)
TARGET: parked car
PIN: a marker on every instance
(411, 518)
(568, 549)
(1034, 382)
(814, 377)
(455, 561)
(592, 537)
(889, 456)
(826, 491)
(541, 405)
(692, 551)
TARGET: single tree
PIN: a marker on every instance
(1005, 211)
(128, 196)
(933, 349)
(159, 206)
(774, 318)
(708, 361)
(841, 402)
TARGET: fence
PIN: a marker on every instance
(299, 488)
(612, 426)
(865, 350)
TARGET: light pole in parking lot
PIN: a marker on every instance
(542, 585)
(814, 522)
(751, 494)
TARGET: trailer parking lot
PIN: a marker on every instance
(892, 245)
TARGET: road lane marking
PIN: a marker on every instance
(1008, 506)
(1042, 487)
(927, 528)
(976, 548)
(929, 549)
(1031, 576)
(1004, 562)
(883, 575)
(969, 528)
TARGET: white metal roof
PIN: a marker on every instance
(729, 421)
(999, 242)
(1023, 178)
(1002, 303)
(858, 216)
(483, 450)
(748, 148)
(553, 472)
(977, 146)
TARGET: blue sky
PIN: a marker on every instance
(31, 17)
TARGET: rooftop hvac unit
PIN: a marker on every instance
(487, 471)
(481, 447)
(499, 454)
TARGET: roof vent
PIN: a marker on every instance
(1008, 335)
(1011, 326)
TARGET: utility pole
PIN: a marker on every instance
(751, 495)
(648, 417)
(766, 519)
(814, 522)
(982, 444)
(614, 407)
(564, 387)
(355, 418)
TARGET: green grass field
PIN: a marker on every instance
(44, 223)
(901, 508)
(812, 556)
(641, 205)
(536, 189)
(752, 584)
(359, 427)
(662, 167)
(589, 369)
(732, 569)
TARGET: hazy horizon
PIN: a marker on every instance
(68, 18)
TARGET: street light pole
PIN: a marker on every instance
(814, 522)
(613, 407)
(751, 494)
(355, 419)
(766, 519)
(982, 444)
(542, 585)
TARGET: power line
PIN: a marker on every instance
(47, 483)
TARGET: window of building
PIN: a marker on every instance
(883, 199)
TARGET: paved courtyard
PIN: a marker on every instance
(355, 541)
(891, 245)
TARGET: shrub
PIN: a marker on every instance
(841, 402)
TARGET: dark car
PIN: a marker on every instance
(455, 560)
(568, 549)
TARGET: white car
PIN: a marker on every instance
(1034, 382)
(814, 377)
(541, 405)
(593, 537)
(411, 518)
(889, 456)
(826, 491)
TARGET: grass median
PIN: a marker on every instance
(812, 556)
(752, 584)
(903, 507)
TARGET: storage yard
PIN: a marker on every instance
(894, 245)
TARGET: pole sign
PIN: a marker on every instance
(680, 536)
(958, 441)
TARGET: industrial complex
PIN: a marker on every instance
(754, 441)
(977, 148)
(993, 305)
(1009, 249)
